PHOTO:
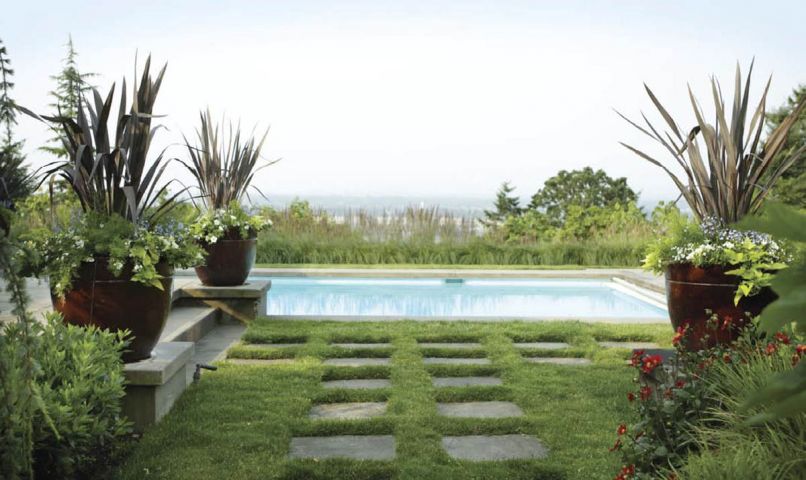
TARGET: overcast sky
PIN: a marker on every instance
(431, 98)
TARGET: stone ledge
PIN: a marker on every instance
(168, 358)
(251, 289)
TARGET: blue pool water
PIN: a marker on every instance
(468, 298)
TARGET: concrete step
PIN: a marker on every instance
(189, 324)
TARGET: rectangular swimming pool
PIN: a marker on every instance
(470, 298)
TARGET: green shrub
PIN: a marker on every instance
(80, 381)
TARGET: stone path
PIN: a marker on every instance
(455, 361)
(494, 447)
(358, 346)
(356, 362)
(559, 360)
(456, 346)
(629, 345)
(479, 409)
(542, 345)
(356, 447)
(351, 410)
(358, 384)
(464, 381)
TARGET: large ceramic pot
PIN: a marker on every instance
(692, 292)
(229, 260)
(99, 298)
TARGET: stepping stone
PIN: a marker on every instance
(485, 448)
(361, 345)
(542, 345)
(263, 362)
(455, 361)
(464, 381)
(356, 362)
(479, 409)
(356, 447)
(629, 345)
(458, 346)
(276, 345)
(359, 383)
(348, 411)
(559, 360)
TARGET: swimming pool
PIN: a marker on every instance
(470, 298)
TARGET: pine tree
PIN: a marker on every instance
(70, 85)
(15, 182)
(791, 188)
(505, 205)
(7, 113)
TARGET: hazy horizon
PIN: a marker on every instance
(441, 99)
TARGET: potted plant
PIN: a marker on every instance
(112, 266)
(223, 169)
(728, 173)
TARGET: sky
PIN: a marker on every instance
(437, 98)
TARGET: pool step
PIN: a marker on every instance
(454, 281)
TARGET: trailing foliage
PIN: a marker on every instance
(733, 171)
(230, 223)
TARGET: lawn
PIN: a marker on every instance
(238, 421)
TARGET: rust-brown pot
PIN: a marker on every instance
(99, 298)
(690, 291)
(229, 260)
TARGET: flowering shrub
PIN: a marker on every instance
(752, 255)
(672, 399)
(58, 255)
(230, 223)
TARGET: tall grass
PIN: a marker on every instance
(426, 236)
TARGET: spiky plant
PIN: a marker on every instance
(112, 175)
(728, 169)
(223, 165)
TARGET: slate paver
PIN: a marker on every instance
(456, 345)
(358, 383)
(629, 345)
(485, 448)
(356, 447)
(358, 346)
(276, 345)
(356, 362)
(559, 360)
(479, 409)
(348, 411)
(465, 381)
(455, 361)
(259, 362)
(542, 345)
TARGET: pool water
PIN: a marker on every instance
(468, 298)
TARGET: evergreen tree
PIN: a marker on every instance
(15, 182)
(505, 205)
(791, 188)
(70, 85)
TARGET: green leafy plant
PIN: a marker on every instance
(729, 171)
(226, 223)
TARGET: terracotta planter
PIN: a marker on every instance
(690, 291)
(229, 260)
(117, 303)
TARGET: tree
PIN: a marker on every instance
(791, 188)
(15, 182)
(583, 188)
(505, 205)
(70, 85)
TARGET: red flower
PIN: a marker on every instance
(726, 323)
(616, 446)
(620, 476)
(645, 392)
(622, 429)
(800, 350)
(650, 362)
(726, 358)
(636, 357)
(680, 384)
(771, 348)
(782, 337)
(679, 334)
(628, 469)
(630, 396)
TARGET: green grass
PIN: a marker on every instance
(237, 422)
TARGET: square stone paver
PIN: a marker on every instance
(559, 360)
(358, 383)
(464, 381)
(455, 361)
(277, 345)
(542, 345)
(348, 411)
(479, 409)
(257, 361)
(361, 345)
(629, 345)
(356, 362)
(356, 447)
(485, 448)
(456, 345)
